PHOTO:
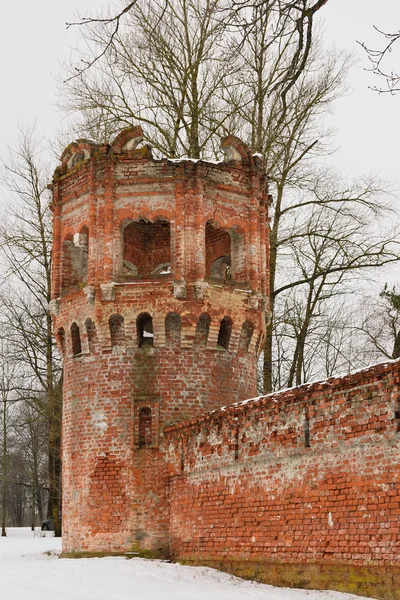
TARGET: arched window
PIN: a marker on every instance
(218, 253)
(91, 333)
(245, 336)
(144, 327)
(145, 427)
(117, 330)
(225, 331)
(225, 254)
(147, 248)
(202, 330)
(61, 339)
(76, 340)
(173, 330)
(74, 262)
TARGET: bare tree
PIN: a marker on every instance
(380, 325)
(25, 243)
(379, 59)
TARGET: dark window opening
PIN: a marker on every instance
(202, 330)
(76, 340)
(147, 248)
(61, 339)
(144, 326)
(117, 331)
(225, 331)
(173, 330)
(397, 416)
(145, 427)
(307, 431)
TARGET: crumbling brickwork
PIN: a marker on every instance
(160, 287)
(152, 330)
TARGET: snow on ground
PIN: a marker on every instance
(31, 570)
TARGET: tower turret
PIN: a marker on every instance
(159, 293)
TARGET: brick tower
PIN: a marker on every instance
(159, 289)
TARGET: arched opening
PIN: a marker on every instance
(91, 333)
(173, 330)
(245, 336)
(117, 330)
(61, 339)
(74, 261)
(202, 330)
(218, 253)
(147, 248)
(225, 332)
(145, 427)
(225, 254)
(144, 327)
(76, 340)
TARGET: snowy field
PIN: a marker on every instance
(30, 570)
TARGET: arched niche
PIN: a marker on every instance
(146, 248)
(74, 260)
(225, 253)
(224, 334)
(202, 330)
(76, 340)
(117, 330)
(173, 328)
(90, 333)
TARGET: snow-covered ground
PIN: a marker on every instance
(30, 570)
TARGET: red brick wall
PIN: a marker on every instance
(247, 484)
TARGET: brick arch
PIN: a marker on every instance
(74, 259)
(225, 251)
(202, 330)
(225, 332)
(116, 323)
(91, 334)
(76, 342)
(173, 329)
(146, 248)
(144, 325)
(246, 335)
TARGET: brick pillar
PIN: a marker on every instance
(108, 222)
(254, 230)
(179, 251)
(56, 251)
(92, 227)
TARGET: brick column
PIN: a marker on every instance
(178, 252)
(92, 226)
(56, 251)
(108, 222)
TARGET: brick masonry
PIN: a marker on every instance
(150, 334)
(298, 488)
(159, 300)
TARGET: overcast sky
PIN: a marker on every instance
(34, 40)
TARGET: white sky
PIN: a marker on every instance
(33, 40)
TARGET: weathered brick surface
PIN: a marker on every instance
(248, 486)
(159, 296)
(141, 347)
